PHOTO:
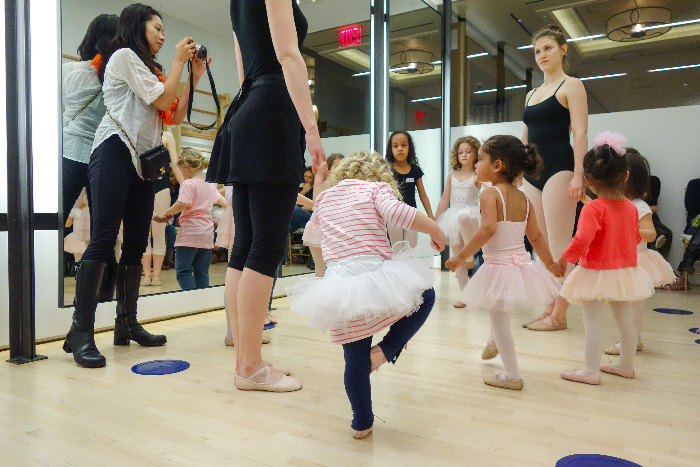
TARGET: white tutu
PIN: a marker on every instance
(312, 233)
(72, 245)
(510, 286)
(621, 285)
(656, 266)
(449, 222)
(363, 287)
(226, 229)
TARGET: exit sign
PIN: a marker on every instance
(349, 36)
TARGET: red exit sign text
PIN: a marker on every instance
(349, 36)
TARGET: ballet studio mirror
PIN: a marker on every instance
(214, 31)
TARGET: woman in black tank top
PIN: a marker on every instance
(259, 152)
(553, 112)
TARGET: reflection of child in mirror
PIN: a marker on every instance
(195, 239)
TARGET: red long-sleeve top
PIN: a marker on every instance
(607, 235)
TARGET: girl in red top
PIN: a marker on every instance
(605, 247)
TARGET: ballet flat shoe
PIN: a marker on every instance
(533, 320)
(489, 352)
(284, 384)
(271, 319)
(613, 370)
(145, 281)
(267, 320)
(614, 350)
(279, 369)
(459, 304)
(361, 434)
(228, 341)
(588, 379)
(155, 281)
(543, 326)
(514, 384)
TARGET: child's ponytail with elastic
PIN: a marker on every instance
(533, 162)
(192, 159)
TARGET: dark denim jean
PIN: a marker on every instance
(192, 267)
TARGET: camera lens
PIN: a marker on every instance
(201, 51)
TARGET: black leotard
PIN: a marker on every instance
(548, 126)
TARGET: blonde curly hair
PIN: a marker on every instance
(454, 158)
(192, 159)
(364, 165)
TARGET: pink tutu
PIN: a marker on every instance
(226, 230)
(524, 285)
(312, 233)
(656, 266)
(621, 285)
(74, 246)
(449, 222)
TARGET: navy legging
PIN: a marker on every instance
(357, 362)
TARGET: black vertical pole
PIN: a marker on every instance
(20, 203)
(501, 82)
(528, 79)
(445, 133)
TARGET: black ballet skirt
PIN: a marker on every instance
(548, 125)
(262, 138)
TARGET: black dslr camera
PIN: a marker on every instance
(201, 51)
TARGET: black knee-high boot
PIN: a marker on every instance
(126, 327)
(109, 283)
(80, 340)
(692, 253)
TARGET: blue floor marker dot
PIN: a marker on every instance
(268, 326)
(160, 367)
(697, 341)
(594, 460)
(673, 311)
(693, 330)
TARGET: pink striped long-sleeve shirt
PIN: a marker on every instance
(353, 215)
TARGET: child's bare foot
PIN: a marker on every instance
(376, 358)
(361, 434)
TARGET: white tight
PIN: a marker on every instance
(593, 324)
(555, 211)
(316, 254)
(397, 234)
(160, 205)
(500, 332)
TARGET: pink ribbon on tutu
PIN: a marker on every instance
(524, 258)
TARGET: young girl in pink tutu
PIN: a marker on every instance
(509, 278)
(312, 232)
(367, 287)
(605, 247)
(461, 219)
(637, 189)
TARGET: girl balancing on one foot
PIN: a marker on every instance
(509, 278)
(461, 220)
(605, 246)
(366, 287)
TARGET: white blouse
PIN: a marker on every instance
(80, 84)
(129, 90)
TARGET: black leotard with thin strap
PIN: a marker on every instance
(548, 126)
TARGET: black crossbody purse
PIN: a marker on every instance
(154, 162)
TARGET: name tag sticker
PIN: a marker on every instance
(410, 180)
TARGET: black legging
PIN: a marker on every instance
(262, 212)
(117, 193)
(74, 177)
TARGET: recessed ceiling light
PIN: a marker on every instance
(482, 54)
(573, 39)
(426, 99)
(603, 76)
(674, 68)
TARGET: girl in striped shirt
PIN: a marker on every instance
(366, 287)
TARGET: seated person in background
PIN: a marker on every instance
(307, 188)
(662, 244)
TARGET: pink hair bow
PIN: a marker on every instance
(616, 141)
(524, 258)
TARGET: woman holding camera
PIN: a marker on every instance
(138, 99)
(259, 153)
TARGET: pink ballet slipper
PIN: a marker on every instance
(624, 372)
(588, 379)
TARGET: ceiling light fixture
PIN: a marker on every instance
(507, 88)
(426, 99)
(670, 25)
(603, 76)
(573, 39)
(482, 54)
(674, 68)
(632, 25)
(411, 62)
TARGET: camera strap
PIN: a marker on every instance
(191, 97)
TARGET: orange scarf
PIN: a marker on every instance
(165, 115)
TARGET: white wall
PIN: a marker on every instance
(668, 138)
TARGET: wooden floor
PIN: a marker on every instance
(433, 406)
